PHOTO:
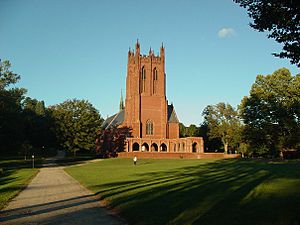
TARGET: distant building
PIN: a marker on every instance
(154, 123)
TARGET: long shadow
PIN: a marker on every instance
(7, 215)
(209, 193)
(181, 195)
(87, 206)
(59, 212)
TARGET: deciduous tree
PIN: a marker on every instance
(111, 141)
(271, 112)
(38, 125)
(223, 122)
(11, 121)
(77, 123)
(281, 19)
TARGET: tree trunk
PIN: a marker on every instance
(225, 148)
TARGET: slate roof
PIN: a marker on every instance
(113, 120)
(172, 117)
(118, 118)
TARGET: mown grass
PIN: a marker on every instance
(231, 191)
(16, 175)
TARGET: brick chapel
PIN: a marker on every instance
(154, 123)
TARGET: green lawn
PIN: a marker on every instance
(230, 191)
(16, 175)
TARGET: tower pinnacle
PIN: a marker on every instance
(121, 102)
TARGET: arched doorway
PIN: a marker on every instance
(145, 147)
(135, 147)
(154, 147)
(163, 147)
(195, 147)
(174, 148)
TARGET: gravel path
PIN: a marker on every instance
(53, 197)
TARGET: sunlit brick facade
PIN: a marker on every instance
(154, 123)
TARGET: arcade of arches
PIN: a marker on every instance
(189, 145)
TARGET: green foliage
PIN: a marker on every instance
(206, 192)
(25, 125)
(76, 123)
(38, 125)
(7, 77)
(11, 119)
(182, 130)
(223, 122)
(190, 131)
(281, 19)
(210, 144)
(271, 112)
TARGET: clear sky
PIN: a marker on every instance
(66, 49)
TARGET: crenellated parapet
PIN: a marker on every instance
(134, 56)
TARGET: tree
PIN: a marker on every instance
(271, 113)
(190, 131)
(281, 18)
(182, 130)
(77, 123)
(210, 144)
(11, 120)
(38, 125)
(111, 141)
(223, 122)
(7, 77)
(193, 131)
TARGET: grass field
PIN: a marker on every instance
(16, 175)
(232, 191)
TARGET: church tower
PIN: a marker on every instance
(146, 108)
(153, 122)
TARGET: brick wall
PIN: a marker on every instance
(162, 155)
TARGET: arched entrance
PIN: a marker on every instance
(195, 147)
(154, 147)
(163, 147)
(145, 147)
(135, 147)
(174, 147)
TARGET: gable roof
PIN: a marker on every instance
(114, 120)
(172, 117)
(118, 118)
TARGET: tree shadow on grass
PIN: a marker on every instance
(77, 210)
(6, 177)
(211, 193)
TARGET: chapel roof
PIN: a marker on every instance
(114, 120)
(172, 117)
(118, 118)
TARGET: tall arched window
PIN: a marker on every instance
(143, 76)
(154, 80)
(149, 127)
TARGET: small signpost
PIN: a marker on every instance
(32, 161)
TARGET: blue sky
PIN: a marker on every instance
(66, 49)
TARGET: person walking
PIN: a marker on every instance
(134, 160)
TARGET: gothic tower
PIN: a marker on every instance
(146, 108)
